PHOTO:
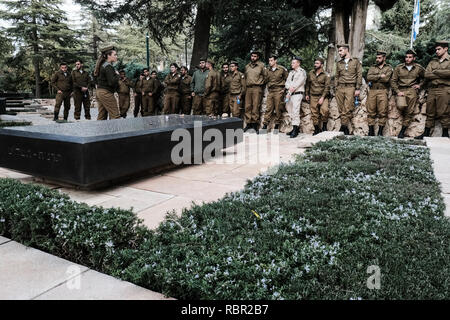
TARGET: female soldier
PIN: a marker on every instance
(107, 83)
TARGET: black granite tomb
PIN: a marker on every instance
(90, 154)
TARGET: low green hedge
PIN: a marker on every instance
(4, 124)
(308, 231)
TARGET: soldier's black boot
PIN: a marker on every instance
(345, 130)
(316, 130)
(426, 133)
(294, 132)
(445, 132)
(401, 135)
(255, 126)
(380, 131)
(247, 127)
(277, 127)
(371, 131)
(290, 132)
(55, 117)
(324, 127)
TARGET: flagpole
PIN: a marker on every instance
(412, 25)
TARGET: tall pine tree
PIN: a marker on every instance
(39, 26)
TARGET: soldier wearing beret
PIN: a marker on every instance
(107, 83)
(276, 80)
(172, 92)
(378, 77)
(237, 90)
(255, 76)
(348, 82)
(438, 102)
(82, 81)
(62, 82)
(407, 79)
(317, 92)
(149, 89)
(212, 90)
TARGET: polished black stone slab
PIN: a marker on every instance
(88, 154)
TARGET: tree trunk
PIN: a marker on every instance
(341, 20)
(358, 28)
(331, 54)
(202, 32)
(37, 71)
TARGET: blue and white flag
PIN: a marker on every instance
(416, 21)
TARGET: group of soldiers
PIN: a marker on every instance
(240, 94)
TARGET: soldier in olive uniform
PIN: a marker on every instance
(159, 91)
(348, 82)
(62, 82)
(406, 81)
(212, 90)
(237, 90)
(138, 96)
(256, 76)
(149, 89)
(276, 80)
(224, 105)
(124, 94)
(198, 88)
(317, 92)
(438, 102)
(186, 97)
(172, 93)
(107, 83)
(82, 81)
(378, 77)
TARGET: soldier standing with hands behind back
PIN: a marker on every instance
(62, 82)
(237, 90)
(255, 75)
(378, 77)
(81, 83)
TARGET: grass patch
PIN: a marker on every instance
(321, 221)
(4, 124)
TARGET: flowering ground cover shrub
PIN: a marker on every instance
(311, 230)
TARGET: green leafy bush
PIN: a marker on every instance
(309, 231)
(4, 124)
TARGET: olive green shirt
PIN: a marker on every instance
(124, 86)
(437, 72)
(374, 76)
(349, 73)
(226, 79)
(255, 74)
(172, 81)
(318, 84)
(212, 82)
(138, 86)
(149, 85)
(81, 79)
(402, 77)
(186, 84)
(276, 78)
(62, 82)
(108, 78)
(237, 84)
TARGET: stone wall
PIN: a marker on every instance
(360, 126)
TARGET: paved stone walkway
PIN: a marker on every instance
(440, 154)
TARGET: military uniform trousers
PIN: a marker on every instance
(408, 111)
(148, 105)
(171, 102)
(319, 113)
(224, 103)
(345, 98)
(274, 106)
(124, 104)
(61, 98)
(82, 98)
(234, 107)
(186, 103)
(107, 105)
(198, 105)
(377, 104)
(253, 99)
(438, 106)
(293, 108)
(138, 105)
(212, 104)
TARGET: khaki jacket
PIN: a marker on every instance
(404, 78)
(318, 85)
(438, 73)
(62, 82)
(237, 84)
(212, 82)
(81, 79)
(349, 73)
(374, 76)
(255, 74)
(276, 78)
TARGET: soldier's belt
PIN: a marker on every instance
(298, 92)
(379, 87)
(255, 85)
(348, 85)
(276, 88)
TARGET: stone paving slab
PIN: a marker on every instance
(440, 155)
(3, 240)
(92, 285)
(26, 273)
(308, 141)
